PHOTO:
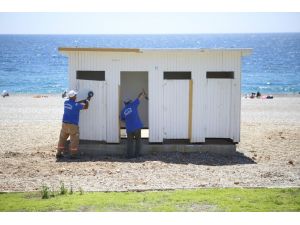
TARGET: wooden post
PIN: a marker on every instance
(190, 108)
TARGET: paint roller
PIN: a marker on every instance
(90, 95)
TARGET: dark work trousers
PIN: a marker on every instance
(136, 135)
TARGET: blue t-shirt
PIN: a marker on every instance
(131, 116)
(71, 111)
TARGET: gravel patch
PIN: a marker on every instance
(267, 156)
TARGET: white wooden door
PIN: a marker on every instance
(176, 109)
(92, 122)
(218, 108)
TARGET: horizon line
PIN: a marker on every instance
(283, 32)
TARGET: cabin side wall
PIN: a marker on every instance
(155, 63)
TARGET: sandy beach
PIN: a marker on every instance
(267, 156)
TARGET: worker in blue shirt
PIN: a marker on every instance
(70, 124)
(130, 115)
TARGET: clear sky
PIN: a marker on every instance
(147, 23)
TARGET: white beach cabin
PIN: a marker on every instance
(194, 94)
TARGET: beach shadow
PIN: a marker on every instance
(196, 158)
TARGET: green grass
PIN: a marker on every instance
(228, 199)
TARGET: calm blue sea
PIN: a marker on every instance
(32, 64)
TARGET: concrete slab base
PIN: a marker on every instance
(96, 149)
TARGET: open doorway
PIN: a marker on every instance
(131, 84)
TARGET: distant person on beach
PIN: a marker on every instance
(5, 94)
(258, 94)
(130, 115)
(70, 124)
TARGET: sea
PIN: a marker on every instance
(32, 63)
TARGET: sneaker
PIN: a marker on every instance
(59, 155)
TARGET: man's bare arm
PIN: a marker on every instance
(85, 102)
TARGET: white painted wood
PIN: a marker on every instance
(219, 108)
(92, 122)
(207, 98)
(155, 106)
(176, 109)
(232, 62)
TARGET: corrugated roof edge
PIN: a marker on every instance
(61, 49)
(245, 51)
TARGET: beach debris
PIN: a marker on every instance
(11, 154)
(236, 182)
(267, 157)
(5, 93)
(266, 175)
(62, 170)
(291, 162)
(40, 96)
(281, 136)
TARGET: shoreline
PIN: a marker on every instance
(59, 94)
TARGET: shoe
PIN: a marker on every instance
(59, 156)
(74, 156)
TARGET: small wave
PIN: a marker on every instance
(9, 69)
(263, 87)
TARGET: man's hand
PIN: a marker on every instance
(142, 94)
(86, 104)
(145, 95)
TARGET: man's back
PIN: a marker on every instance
(131, 116)
(71, 111)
